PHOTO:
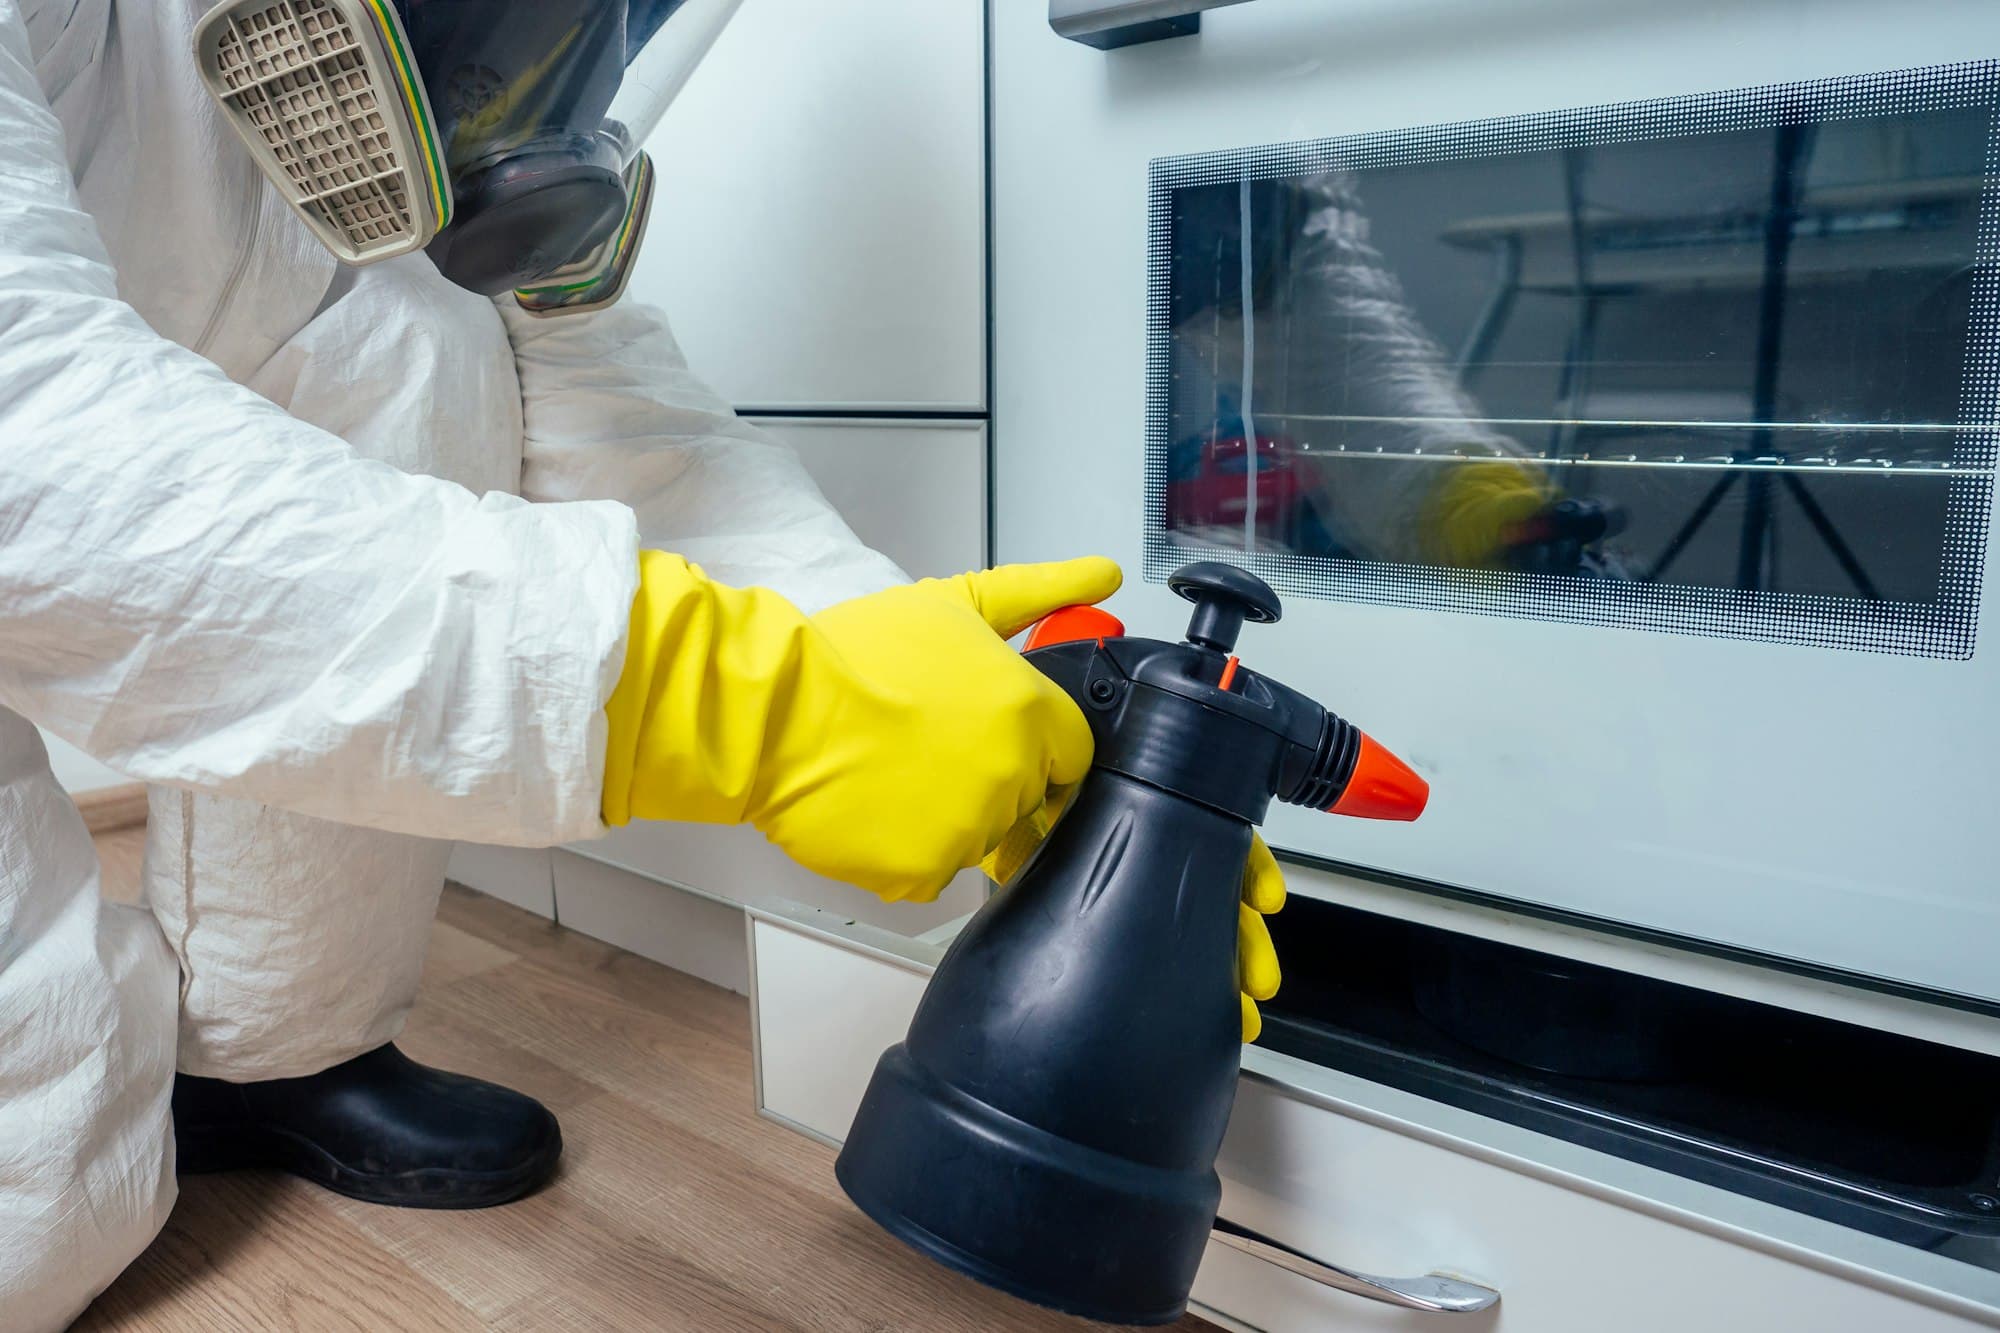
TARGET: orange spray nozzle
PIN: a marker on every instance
(1381, 786)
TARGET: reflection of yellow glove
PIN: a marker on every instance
(1263, 894)
(889, 741)
(1467, 518)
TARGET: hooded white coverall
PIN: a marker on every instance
(217, 574)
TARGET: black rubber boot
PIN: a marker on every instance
(380, 1127)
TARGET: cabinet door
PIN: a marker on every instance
(913, 490)
(818, 234)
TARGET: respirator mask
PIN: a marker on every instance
(502, 136)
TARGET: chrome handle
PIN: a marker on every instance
(1435, 1292)
(1107, 24)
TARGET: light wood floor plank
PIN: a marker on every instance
(677, 1208)
(456, 954)
(257, 1252)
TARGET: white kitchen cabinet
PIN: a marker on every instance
(913, 490)
(696, 933)
(522, 876)
(819, 242)
(1385, 1182)
(814, 1057)
(819, 232)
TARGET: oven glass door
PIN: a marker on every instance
(1717, 365)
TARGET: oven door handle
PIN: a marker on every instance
(1438, 1293)
(1107, 24)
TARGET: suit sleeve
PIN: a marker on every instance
(202, 591)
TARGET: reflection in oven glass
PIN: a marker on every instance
(1733, 360)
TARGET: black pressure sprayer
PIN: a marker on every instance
(1050, 1124)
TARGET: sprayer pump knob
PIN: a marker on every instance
(1224, 597)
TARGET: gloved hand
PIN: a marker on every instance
(1263, 894)
(889, 741)
(1469, 518)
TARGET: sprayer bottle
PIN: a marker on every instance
(1051, 1123)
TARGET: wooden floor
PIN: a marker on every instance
(677, 1207)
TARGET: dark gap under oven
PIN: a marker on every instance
(1888, 1134)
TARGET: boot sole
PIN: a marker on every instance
(208, 1149)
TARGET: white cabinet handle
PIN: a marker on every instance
(1109, 24)
(1434, 1292)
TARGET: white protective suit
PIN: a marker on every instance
(206, 582)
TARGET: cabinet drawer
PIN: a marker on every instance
(913, 490)
(737, 865)
(1388, 1183)
(1349, 1179)
(827, 997)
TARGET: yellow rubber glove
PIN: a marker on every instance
(889, 741)
(1263, 894)
(1467, 518)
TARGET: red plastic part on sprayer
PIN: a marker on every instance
(1073, 623)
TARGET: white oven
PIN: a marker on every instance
(1610, 391)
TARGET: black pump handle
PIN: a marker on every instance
(1224, 597)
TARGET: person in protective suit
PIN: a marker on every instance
(341, 501)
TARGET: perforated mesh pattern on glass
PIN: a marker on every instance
(1723, 365)
(293, 71)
